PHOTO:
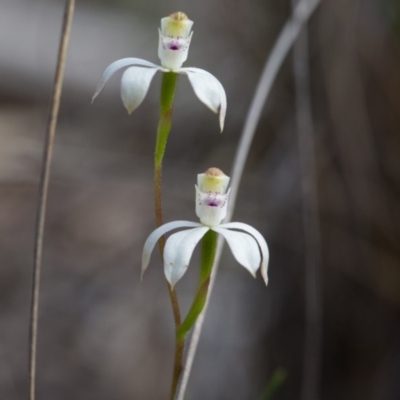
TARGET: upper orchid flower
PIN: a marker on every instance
(249, 247)
(173, 47)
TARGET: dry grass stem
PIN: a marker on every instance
(43, 191)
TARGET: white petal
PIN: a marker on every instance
(115, 66)
(260, 241)
(209, 90)
(155, 236)
(135, 84)
(244, 248)
(178, 251)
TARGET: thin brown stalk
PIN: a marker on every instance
(284, 43)
(43, 192)
(178, 366)
(158, 204)
(179, 344)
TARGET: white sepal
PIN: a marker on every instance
(211, 207)
(260, 241)
(209, 90)
(244, 248)
(156, 235)
(178, 251)
(116, 65)
(135, 84)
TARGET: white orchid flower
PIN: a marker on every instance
(173, 47)
(248, 247)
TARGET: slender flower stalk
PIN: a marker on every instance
(168, 88)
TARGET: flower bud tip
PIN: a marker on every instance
(179, 16)
(213, 171)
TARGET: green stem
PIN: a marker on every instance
(209, 248)
(168, 87)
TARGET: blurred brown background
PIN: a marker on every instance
(106, 335)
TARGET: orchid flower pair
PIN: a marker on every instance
(174, 40)
(248, 247)
(247, 244)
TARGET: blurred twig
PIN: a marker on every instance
(43, 191)
(311, 224)
(274, 384)
(285, 41)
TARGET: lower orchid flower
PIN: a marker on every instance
(248, 246)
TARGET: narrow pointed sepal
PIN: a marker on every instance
(263, 247)
(155, 237)
(209, 90)
(117, 65)
(178, 251)
(244, 248)
(135, 84)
